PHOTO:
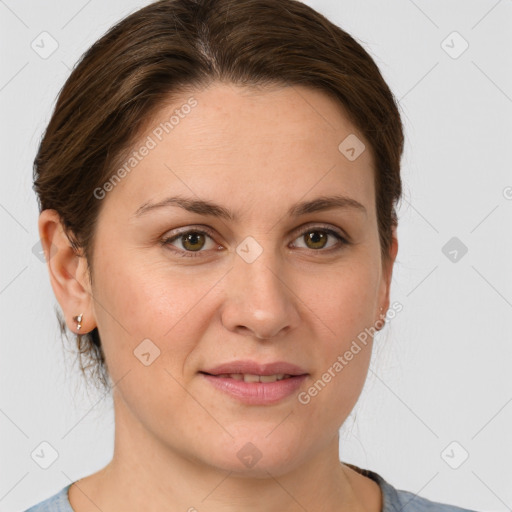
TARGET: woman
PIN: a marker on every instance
(217, 187)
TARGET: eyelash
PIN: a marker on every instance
(194, 254)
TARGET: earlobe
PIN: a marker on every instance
(68, 273)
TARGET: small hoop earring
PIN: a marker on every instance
(78, 320)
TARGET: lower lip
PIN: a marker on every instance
(257, 393)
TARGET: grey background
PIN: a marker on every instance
(440, 372)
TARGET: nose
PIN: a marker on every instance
(258, 300)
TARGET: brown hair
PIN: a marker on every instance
(171, 46)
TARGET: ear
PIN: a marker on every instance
(387, 272)
(69, 276)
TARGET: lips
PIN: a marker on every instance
(256, 383)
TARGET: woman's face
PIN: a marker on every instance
(271, 284)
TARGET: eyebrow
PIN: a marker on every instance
(203, 207)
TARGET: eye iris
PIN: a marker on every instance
(192, 238)
(316, 237)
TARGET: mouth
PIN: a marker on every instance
(256, 384)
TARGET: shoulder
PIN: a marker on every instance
(396, 500)
(406, 501)
(59, 502)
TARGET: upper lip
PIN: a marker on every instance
(255, 368)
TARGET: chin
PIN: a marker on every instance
(257, 455)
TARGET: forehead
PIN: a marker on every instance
(247, 146)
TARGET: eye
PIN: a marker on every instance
(316, 238)
(191, 241)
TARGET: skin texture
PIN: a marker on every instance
(257, 153)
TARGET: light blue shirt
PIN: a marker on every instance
(394, 500)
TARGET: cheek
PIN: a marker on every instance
(342, 308)
(138, 301)
(342, 299)
(147, 333)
